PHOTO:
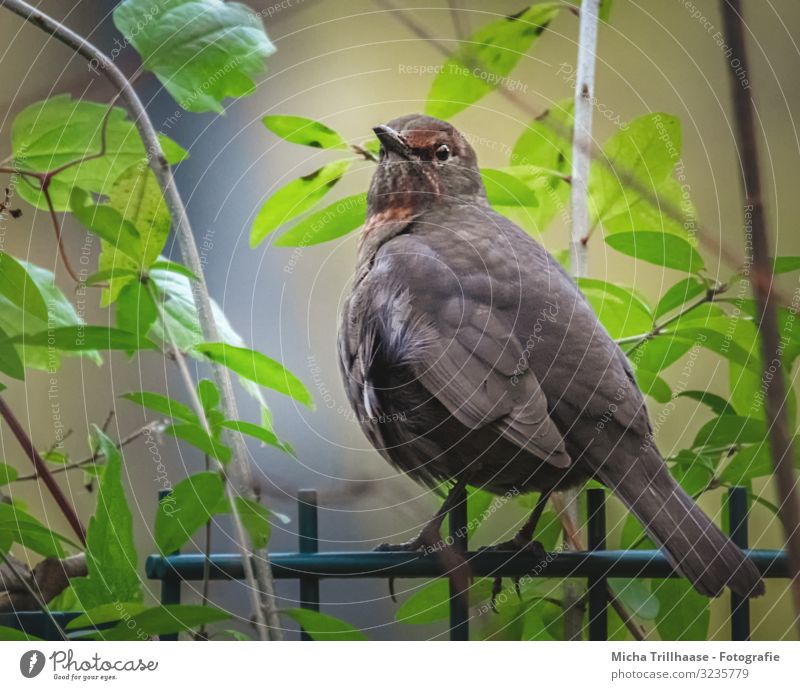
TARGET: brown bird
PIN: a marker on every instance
(470, 356)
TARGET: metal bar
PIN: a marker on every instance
(598, 600)
(171, 580)
(737, 528)
(459, 600)
(308, 538)
(373, 564)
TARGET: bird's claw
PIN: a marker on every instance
(515, 546)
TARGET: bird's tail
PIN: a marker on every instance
(695, 545)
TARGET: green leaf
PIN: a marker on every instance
(679, 294)
(258, 368)
(653, 385)
(13, 635)
(161, 620)
(10, 361)
(18, 526)
(203, 51)
(164, 265)
(748, 463)
(106, 613)
(786, 264)
(636, 596)
(111, 559)
(431, 602)
(197, 436)
(504, 188)
(621, 310)
(163, 405)
(136, 311)
(51, 133)
(485, 59)
(108, 224)
(301, 130)
(658, 353)
(322, 627)
(296, 198)
(7, 474)
(660, 248)
(264, 435)
(730, 430)
(336, 220)
(190, 504)
(683, 612)
(82, 338)
(255, 519)
(208, 393)
(111, 274)
(20, 289)
(717, 404)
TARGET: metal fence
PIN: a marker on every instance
(597, 564)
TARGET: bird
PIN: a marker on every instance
(471, 358)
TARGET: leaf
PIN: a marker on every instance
(106, 613)
(683, 612)
(203, 51)
(255, 519)
(485, 58)
(10, 362)
(679, 294)
(621, 310)
(321, 627)
(504, 188)
(718, 405)
(136, 311)
(108, 224)
(82, 338)
(13, 635)
(7, 474)
(18, 526)
(264, 435)
(327, 224)
(20, 289)
(164, 265)
(163, 405)
(748, 463)
(208, 393)
(161, 620)
(431, 602)
(51, 133)
(189, 505)
(199, 438)
(785, 264)
(296, 198)
(258, 368)
(660, 248)
(658, 353)
(653, 385)
(111, 559)
(301, 130)
(636, 596)
(730, 430)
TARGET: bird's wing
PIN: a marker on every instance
(463, 351)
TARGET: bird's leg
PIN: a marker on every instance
(431, 534)
(521, 542)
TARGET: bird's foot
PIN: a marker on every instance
(517, 545)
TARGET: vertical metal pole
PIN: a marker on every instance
(308, 539)
(737, 528)
(170, 583)
(598, 599)
(459, 602)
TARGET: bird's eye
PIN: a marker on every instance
(443, 152)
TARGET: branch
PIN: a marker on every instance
(762, 278)
(261, 585)
(43, 471)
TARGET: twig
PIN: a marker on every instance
(44, 471)
(260, 583)
(762, 278)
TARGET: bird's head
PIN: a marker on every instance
(423, 161)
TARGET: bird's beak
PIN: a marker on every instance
(392, 140)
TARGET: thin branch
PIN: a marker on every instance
(261, 584)
(774, 386)
(43, 471)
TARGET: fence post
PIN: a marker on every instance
(459, 601)
(308, 542)
(598, 599)
(171, 582)
(737, 528)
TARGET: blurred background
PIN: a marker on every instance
(352, 65)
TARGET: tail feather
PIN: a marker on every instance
(693, 543)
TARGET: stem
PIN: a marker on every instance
(762, 279)
(259, 583)
(43, 471)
